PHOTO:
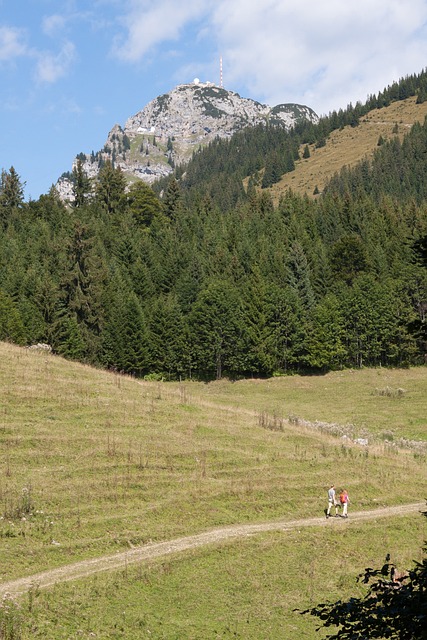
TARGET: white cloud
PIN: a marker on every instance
(148, 24)
(321, 52)
(12, 43)
(324, 54)
(51, 68)
(54, 24)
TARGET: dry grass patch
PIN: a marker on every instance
(348, 146)
(369, 402)
(95, 462)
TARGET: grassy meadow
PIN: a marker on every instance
(93, 462)
(349, 146)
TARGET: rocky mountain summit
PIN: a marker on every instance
(173, 126)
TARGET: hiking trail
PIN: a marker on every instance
(150, 551)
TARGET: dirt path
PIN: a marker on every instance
(150, 551)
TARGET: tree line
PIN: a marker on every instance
(265, 152)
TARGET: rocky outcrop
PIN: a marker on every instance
(174, 125)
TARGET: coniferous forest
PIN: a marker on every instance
(203, 277)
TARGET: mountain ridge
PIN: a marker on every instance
(173, 126)
(349, 145)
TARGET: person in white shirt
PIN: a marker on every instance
(331, 501)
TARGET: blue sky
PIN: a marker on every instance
(70, 69)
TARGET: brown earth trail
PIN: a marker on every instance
(151, 551)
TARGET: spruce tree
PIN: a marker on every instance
(110, 189)
(11, 323)
(80, 309)
(172, 199)
(11, 194)
(167, 344)
(81, 184)
(216, 323)
(143, 204)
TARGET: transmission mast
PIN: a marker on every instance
(220, 72)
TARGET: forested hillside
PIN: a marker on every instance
(208, 278)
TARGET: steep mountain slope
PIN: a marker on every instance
(350, 145)
(168, 130)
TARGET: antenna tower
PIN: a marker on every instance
(220, 72)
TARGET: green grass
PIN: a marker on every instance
(93, 462)
(377, 402)
(247, 589)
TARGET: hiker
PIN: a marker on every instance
(332, 501)
(344, 501)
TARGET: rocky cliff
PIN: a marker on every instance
(171, 127)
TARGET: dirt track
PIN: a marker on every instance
(155, 550)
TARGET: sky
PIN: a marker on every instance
(72, 69)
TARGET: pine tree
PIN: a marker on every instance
(11, 323)
(286, 328)
(11, 194)
(325, 342)
(348, 258)
(143, 204)
(299, 274)
(168, 344)
(69, 339)
(216, 323)
(80, 306)
(81, 184)
(172, 199)
(110, 189)
(273, 170)
(258, 358)
(125, 343)
(135, 352)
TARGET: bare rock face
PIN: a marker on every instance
(174, 125)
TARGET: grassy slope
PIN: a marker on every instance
(248, 589)
(382, 403)
(93, 462)
(348, 146)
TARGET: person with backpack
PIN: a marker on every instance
(332, 502)
(344, 501)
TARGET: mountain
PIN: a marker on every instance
(348, 145)
(170, 128)
(209, 274)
